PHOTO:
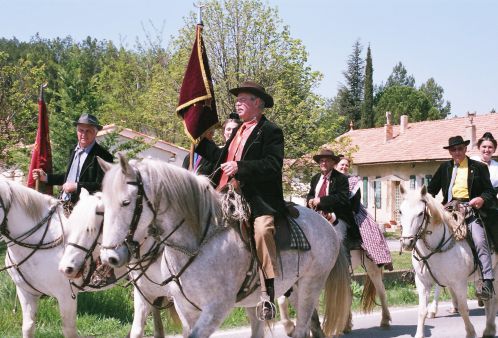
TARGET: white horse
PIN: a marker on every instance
(86, 222)
(374, 286)
(205, 261)
(34, 228)
(439, 258)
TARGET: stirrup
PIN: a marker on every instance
(265, 310)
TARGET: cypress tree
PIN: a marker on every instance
(367, 113)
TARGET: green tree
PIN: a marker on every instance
(400, 77)
(404, 100)
(367, 112)
(435, 94)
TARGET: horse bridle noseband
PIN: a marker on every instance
(421, 228)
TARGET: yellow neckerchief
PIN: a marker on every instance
(460, 188)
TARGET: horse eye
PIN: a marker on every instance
(400, 212)
(421, 213)
(125, 203)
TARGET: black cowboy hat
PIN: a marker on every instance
(455, 141)
(325, 153)
(256, 89)
(86, 118)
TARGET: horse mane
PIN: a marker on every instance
(438, 214)
(34, 203)
(183, 192)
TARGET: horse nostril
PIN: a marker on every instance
(113, 261)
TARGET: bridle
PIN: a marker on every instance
(421, 233)
(20, 240)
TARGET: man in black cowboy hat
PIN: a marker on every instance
(329, 194)
(83, 169)
(254, 155)
(464, 180)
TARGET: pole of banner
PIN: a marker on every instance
(200, 5)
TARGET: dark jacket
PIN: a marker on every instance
(337, 200)
(91, 174)
(260, 167)
(478, 183)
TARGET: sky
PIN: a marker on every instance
(453, 41)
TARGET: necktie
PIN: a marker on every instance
(323, 188)
(74, 172)
(452, 182)
(232, 151)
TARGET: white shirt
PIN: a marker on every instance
(320, 183)
(493, 170)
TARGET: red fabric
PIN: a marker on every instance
(232, 151)
(42, 154)
(196, 104)
(323, 188)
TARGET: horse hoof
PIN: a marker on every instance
(431, 315)
(385, 325)
(453, 311)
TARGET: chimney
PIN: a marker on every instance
(388, 128)
(470, 130)
(403, 124)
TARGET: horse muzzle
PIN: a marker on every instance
(115, 257)
(407, 243)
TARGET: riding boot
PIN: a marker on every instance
(269, 307)
(487, 290)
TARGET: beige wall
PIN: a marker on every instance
(389, 188)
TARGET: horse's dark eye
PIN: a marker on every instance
(125, 203)
(421, 213)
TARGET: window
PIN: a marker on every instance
(412, 181)
(378, 192)
(428, 179)
(365, 192)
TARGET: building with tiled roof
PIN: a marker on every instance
(408, 154)
(159, 149)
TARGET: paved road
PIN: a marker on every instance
(403, 325)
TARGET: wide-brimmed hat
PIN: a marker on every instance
(455, 141)
(86, 118)
(256, 89)
(325, 153)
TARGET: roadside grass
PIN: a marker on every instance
(109, 313)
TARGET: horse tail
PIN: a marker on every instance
(338, 296)
(368, 295)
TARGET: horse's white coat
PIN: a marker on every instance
(213, 279)
(450, 267)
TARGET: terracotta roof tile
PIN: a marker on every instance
(421, 141)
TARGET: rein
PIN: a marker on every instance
(421, 234)
(19, 240)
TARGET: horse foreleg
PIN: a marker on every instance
(431, 312)
(423, 298)
(490, 308)
(29, 305)
(460, 291)
(257, 326)
(288, 324)
(67, 307)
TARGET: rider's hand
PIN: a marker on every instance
(39, 174)
(230, 168)
(477, 202)
(69, 187)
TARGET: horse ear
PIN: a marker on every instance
(423, 191)
(84, 193)
(106, 166)
(125, 166)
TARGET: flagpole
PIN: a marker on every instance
(40, 98)
(200, 5)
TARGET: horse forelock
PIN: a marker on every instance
(83, 217)
(32, 202)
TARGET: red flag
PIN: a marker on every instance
(42, 154)
(196, 105)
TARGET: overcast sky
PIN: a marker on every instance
(454, 41)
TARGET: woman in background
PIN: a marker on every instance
(487, 147)
(374, 244)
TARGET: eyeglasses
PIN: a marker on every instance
(244, 99)
(455, 149)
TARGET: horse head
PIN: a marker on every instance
(84, 230)
(414, 216)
